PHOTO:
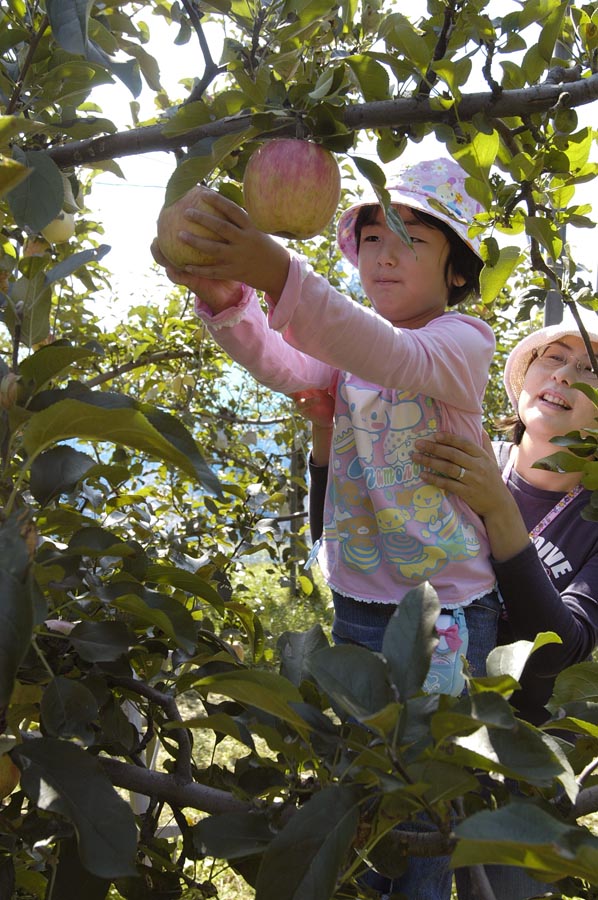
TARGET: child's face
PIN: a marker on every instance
(408, 288)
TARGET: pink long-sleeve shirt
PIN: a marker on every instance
(385, 530)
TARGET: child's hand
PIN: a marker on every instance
(315, 405)
(241, 253)
(217, 294)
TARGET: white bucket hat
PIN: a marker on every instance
(436, 187)
(522, 354)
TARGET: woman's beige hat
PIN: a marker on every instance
(522, 354)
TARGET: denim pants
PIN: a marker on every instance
(355, 622)
(508, 883)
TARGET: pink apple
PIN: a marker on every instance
(291, 188)
(172, 219)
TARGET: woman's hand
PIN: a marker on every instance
(461, 467)
(315, 404)
(318, 406)
(458, 465)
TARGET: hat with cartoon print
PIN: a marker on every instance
(436, 187)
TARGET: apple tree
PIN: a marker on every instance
(140, 473)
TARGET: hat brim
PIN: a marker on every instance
(520, 357)
(400, 197)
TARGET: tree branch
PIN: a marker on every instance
(377, 114)
(165, 787)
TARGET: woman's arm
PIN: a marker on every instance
(532, 602)
(470, 472)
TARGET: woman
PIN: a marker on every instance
(544, 554)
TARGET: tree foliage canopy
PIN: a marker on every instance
(140, 472)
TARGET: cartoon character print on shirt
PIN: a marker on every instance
(380, 512)
(368, 420)
(413, 559)
(441, 519)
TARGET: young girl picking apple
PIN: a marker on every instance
(398, 372)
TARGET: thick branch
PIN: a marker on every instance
(164, 787)
(378, 114)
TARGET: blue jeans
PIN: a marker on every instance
(355, 622)
(508, 883)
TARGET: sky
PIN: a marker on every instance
(128, 208)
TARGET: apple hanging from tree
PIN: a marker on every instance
(172, 219)
(60, 229)
(9, 775)
(291, 188)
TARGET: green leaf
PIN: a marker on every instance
(232, 835)
(372, 77)
(186, 581)
(264, 690)
(494, 278)
(295, 648)
(12, 173)
(75, 419)
(100, 641)
(510, 659)
(39, 198)
(51, 360)
(16, 603)
(69, 24)
(521, 834)
(159, 610)
(410, 638)
(68, 709)
(62, 778)
(72, 263)
(58, 471)
(579, 682)
(355, 678)
(521, 753)
(304, 859)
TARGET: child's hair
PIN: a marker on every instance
(461, 258)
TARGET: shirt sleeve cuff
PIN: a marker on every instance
(227, 317)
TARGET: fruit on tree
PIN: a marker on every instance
(291, 188)
(9, 775)
(172, 219)
(60, 229)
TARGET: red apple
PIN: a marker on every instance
(9, 775)
(291, 188)
(172, 219)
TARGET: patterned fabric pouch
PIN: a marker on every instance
(445, 675)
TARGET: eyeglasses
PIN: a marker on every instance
(554, 357)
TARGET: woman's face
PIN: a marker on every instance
(548, 404)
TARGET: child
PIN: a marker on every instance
(397, 372)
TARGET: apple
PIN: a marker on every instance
(60, 229)
(172, 219)
(291, 188)
(9, 775)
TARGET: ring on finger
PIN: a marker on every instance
(461, 473)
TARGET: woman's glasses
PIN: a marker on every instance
(553, 356)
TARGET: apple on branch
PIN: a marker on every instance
(291, 188)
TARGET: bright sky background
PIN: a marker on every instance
(128, 209)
